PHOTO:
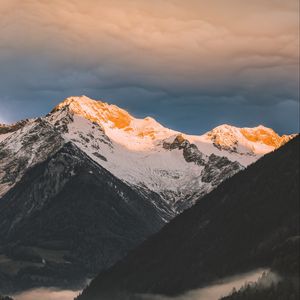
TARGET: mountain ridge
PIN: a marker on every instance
(241, 225)
(167, 170)
(114, 117)
(135, 151)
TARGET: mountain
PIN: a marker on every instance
(69, 217)
(89, 179)
(249, 221)
(257, 140)
(134, 149)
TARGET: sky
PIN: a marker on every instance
(192, 64)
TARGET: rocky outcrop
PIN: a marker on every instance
(218, 169)
(191, 152)
(14, 127)
(26, 147)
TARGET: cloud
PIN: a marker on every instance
(187, 51)
(47, 294)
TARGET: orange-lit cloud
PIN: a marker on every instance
(232, 49)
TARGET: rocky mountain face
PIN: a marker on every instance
(4, 129)
(86, 183)
(68, 218)
(216, 168)
(249, 221)
(140, 152)
(25, 147)
(190, 151)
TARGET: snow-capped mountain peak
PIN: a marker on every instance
(118, 124)
(140, 152)
(265, 135)
(144, 134)
(97, 111)
(253, 141)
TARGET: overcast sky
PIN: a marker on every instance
(191, 64)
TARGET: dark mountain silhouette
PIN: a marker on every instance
(240, 226)
(67, 218)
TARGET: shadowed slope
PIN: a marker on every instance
(237, 227)
(69, 217)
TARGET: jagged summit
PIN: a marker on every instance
(119, 125)
(265, 135)
(6, 130)
(138, 134)
(256, 140)
(141, 152)
(96, 111)
(103, 112)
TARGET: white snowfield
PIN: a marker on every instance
(133, 149)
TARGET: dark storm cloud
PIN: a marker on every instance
(192, 65)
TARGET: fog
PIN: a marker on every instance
(219, 289)
(46, 294)
(212, 292)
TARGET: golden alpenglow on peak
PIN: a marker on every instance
(257, 140)
(118, 124)
(140, 133)
(97, 111)
(265, 135)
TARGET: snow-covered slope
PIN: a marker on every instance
(133, 149)
(141, 152)
(245, 141)
(7, 130)
(92, 181)
(146, 134)
(25, 147)
(119, 125)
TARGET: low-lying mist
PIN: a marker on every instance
(46, 294)
(212, 292)
(222, 288)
